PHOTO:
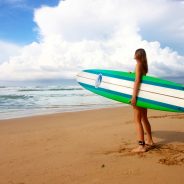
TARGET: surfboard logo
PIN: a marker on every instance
(98, 80)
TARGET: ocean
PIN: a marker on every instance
(28, 98)
(20, 99)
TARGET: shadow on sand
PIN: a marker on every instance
(169, 136)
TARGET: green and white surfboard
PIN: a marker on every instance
(154, 93)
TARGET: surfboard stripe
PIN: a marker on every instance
(125, 100)
(132, 75)
(160, 104)
(132, 78)
(144, 94)
(144, 87)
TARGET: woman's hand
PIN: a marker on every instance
(133, 101)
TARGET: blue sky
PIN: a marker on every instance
(16, 19)
(152, 33)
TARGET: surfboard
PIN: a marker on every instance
(154, 93)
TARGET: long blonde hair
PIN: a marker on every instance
(140, 54)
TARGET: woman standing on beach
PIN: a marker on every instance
(140, 114)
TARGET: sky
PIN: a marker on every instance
(16, 19)
(54, 39)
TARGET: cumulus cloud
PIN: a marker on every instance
(8, 50)
(83, 34)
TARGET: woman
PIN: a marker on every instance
(140, 114)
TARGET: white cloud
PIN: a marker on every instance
(8, 50)
(82, 34)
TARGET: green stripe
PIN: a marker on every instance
(125, 98)
(131, 77)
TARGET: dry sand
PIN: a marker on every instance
(90, 147)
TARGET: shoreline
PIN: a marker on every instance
(92, 146)
(59, 112)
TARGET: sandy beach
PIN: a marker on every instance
(90, 147)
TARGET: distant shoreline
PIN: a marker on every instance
(36, 99)
(61, 112)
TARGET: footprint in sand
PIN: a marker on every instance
(170, 154)
(167, 154)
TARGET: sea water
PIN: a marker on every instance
(19, 99)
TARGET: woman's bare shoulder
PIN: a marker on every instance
(138, 67)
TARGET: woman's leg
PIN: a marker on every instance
(140, 130)
(138, 124)
(147, 126)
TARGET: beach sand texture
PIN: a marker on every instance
(90, 147)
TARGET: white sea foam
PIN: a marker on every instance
(26, 100)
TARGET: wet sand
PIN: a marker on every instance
(90, 147)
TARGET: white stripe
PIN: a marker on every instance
(144, 87)
(142, 94)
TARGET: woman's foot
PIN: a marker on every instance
(150, 144)
(149, 141)
(139, 149)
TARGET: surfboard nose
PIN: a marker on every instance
(78, 76)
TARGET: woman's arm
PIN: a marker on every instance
(137, 83)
